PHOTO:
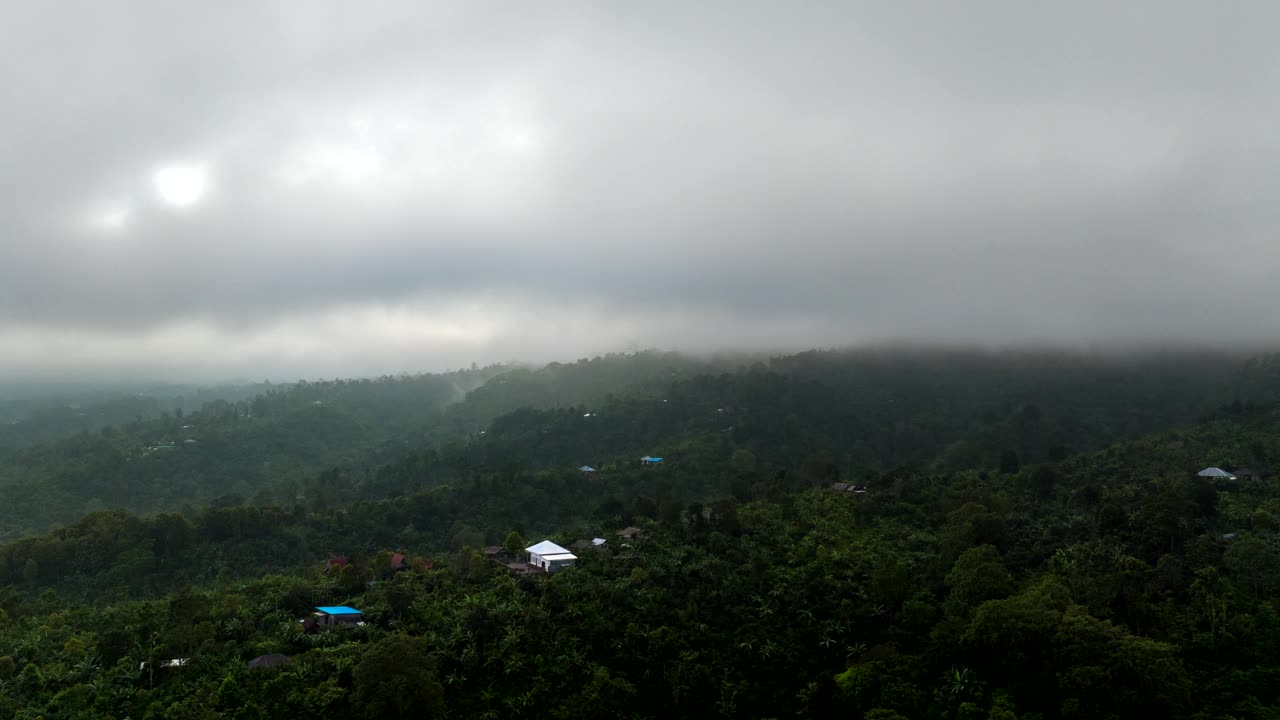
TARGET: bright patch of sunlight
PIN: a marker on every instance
(181, 185)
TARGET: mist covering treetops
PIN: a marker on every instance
(996, 566)
(875, 408)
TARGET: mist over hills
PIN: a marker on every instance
(847, 532)
(880, 408)
(965, 402)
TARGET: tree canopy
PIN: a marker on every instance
(806, 549)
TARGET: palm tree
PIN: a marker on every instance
(854, 650)
(960, 684)
(88, 665)
(150, 650)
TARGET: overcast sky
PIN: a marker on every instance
(301, 188)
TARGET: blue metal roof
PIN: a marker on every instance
(339, 610)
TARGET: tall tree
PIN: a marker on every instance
(398, 678)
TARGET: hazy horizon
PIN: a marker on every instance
(284, 190)
(146, 380)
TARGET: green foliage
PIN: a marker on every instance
(397, 678)
(977, 576)
(35, 413)
(268, 448)
(321, 445)
(514, 544)
(1109, 583)
(1002, 707)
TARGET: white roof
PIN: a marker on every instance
(560, 556)
(546, 547)
(1216, 472)
(598, 541)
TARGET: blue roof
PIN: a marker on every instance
(339, 610)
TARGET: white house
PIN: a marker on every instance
(1213, 472)
(550, 556)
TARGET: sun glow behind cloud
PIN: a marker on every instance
(180, 186)
(486, 160)
(867, 172)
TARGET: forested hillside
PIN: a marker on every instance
(259, 448)
(837, 409)
(34, 413)
(1114, 583)
(269, 447)
(1060, 574)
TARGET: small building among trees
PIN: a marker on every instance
(550, 557)
(269, 661)
(585, 544)
(332, 616)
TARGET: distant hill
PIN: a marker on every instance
(1065, 573)
(328, 444)
(1103, 580)
(247, 447)
(44, 412)
(264, 448)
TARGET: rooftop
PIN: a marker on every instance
(546, 547)
(338, 610)
(268, 661)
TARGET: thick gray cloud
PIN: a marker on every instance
(406, 185)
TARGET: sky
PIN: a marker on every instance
(305, 188)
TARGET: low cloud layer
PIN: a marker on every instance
(301, 188)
